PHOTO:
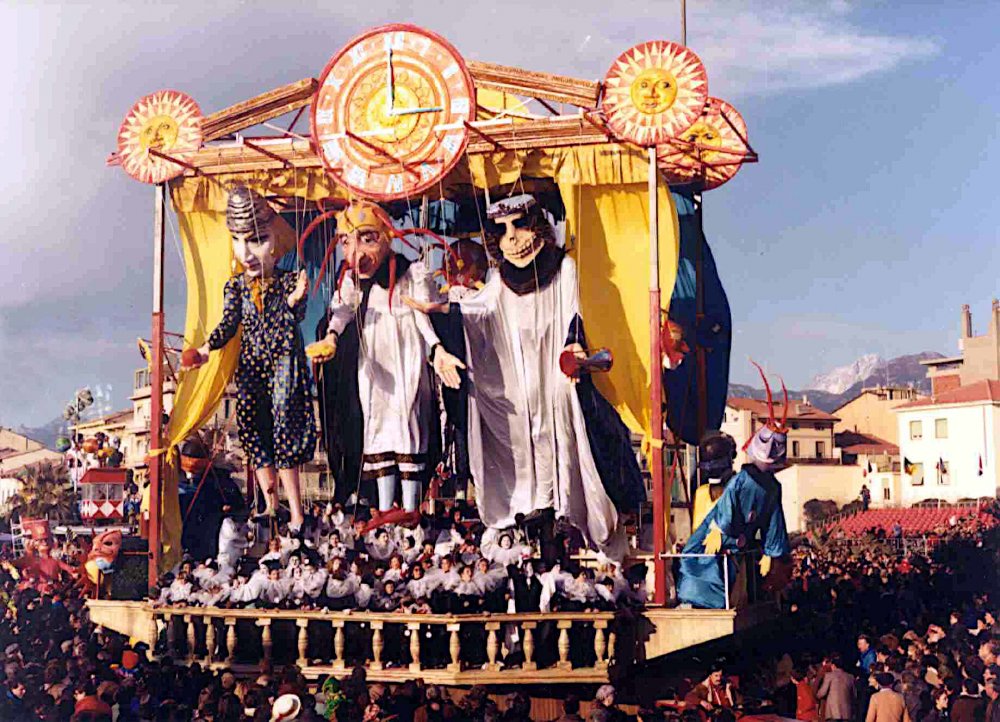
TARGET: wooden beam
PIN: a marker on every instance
(560, 88)
(263, 107)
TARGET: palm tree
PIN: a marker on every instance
(45, 493)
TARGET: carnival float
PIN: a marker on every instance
(522, 250)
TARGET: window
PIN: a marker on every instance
(795, 450)
(916, 430)
(886, 494)
(940, 428)
(916, 474)
(820, 449)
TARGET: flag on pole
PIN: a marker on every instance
(908, 467)
(869, 466)
(942, 470)
(980, 465)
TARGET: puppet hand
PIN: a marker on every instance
(192, 358)
(446, 367)
(426, 306)
(577, 350)
(713, 541)
(765, 565)
(323, 350)
(301, 287)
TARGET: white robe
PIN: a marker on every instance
(528, 446)
(394, 378)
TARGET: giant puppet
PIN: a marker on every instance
(273, 410)
(381, 348)
(538, 438)
(750, 506)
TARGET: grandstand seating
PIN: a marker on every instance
(914, 521)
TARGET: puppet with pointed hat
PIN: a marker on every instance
(748, 516)
(273, 409)
(375, 355)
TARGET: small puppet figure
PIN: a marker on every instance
(750, 505)
(716, 454)
(39, 564)
(273, 410)
(383, 386)
(538, 439)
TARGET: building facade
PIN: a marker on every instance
(948, 444)
(978, 359)
(871, 412)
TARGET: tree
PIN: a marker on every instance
(818, 509)
(45, 493)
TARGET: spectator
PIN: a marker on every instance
(866, 654)
(713, 693)
(886, 705)
(571, 709)
(806, 707)
(992, 713)
(604, 700)
(837, 692)
(969, 706)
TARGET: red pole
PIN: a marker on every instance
(156, 388)
(660, 499)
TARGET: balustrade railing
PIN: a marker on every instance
(576, 646)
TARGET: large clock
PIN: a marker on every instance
(389, 117)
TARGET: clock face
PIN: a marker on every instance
(388, 120)
(168, 121)
(654, 91)
(693, 159)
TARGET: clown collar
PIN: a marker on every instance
(536, 275)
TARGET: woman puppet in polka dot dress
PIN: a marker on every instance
(273, 411)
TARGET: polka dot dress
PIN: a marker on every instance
(273, 410)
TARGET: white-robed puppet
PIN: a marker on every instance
(393, 342)
(531, 428)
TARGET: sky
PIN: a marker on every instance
(870, 219)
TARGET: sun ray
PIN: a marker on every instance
(690, 157)
(167, 120)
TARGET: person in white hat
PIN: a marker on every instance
(286, 707)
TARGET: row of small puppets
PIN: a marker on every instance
(540, 443)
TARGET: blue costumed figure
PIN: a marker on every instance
(750, 507)
(274, 408)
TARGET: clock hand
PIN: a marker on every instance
(412, 111)
(391, 99)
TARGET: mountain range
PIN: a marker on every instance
(830, 390)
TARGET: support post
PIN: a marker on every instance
(156, 387)
(660, 499)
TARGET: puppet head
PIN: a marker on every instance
(766, 449)
(518, 230)
(40, 535)
(364, 233)
(716, 453)
(465, 268)
(250, 221)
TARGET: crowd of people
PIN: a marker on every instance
(869, 634)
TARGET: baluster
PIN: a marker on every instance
(171, 631)
(191, 640)
(230, 640)
(563, 646)
(376, 663)
(152, 632)
(600, 644)
(454, 648)
(529, 646)
(303, 625)
(612, 641)
(414, 628)
(209, 639)
(338, 645)
(265, 637)
(492, 646)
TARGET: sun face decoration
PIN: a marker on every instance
(708, 153)
(167, 121)
(654, 91)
